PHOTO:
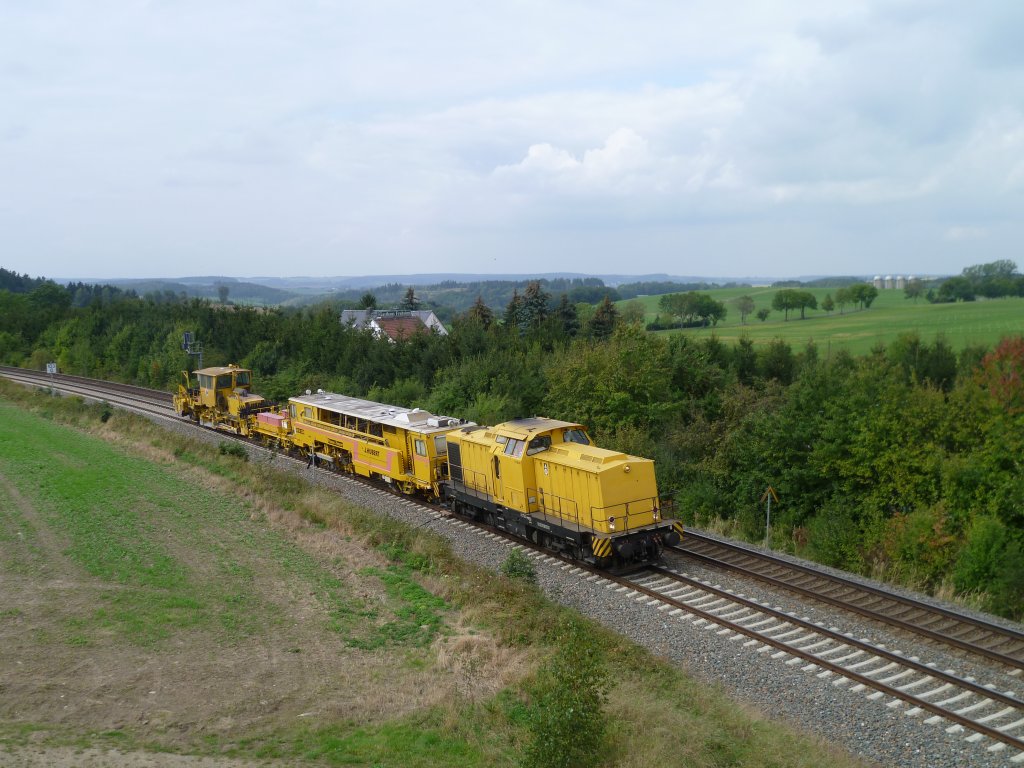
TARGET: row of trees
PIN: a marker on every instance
(692, 309)
(793, 299)
(996, 279)
(905, 461)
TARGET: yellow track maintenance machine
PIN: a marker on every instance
(220, 398)
(404, 447)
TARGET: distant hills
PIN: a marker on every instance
(447, 293)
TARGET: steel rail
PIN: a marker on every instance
(989, 651)
(47, 379)
(961, 683)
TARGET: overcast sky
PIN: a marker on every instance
(749, 137)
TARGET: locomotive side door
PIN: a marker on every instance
(496, 473)
(511, 467)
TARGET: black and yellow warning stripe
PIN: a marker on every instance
(602, 547)
(677, 526)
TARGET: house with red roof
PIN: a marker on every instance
(394, 324)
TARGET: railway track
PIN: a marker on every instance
(956, 703)
(153, 402)
(940, 625)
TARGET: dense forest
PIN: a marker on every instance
(903, 464)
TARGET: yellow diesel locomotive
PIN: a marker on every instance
(545, 481)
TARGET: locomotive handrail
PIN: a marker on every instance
(650, 504)
(366, 436)
(473, 488)
(557, 509)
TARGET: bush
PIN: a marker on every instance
(835, 537)
(981, 556)
(566, 720)
(518, 566)
(237, 450)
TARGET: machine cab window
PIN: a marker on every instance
(241, 378)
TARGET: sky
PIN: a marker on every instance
(147, 138)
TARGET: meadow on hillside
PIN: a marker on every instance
(963, 324)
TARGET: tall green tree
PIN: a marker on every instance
(745, 304)
(481, 313)
(602, 323)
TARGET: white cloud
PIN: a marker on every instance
(612, 167)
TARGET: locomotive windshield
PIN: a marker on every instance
(224, 381)
(576, 436)
(538, 444)
(241, 378)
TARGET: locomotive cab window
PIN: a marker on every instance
(576, 436)
(421, 447)
(241, 378)
(538, 444)
(514, 448)
(441, 445)
(224, 381)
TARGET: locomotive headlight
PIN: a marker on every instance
(611, 523)
(656, 514)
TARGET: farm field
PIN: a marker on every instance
(167, 604)
(149, 605)
(982, 322)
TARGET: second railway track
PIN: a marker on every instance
(966, 633)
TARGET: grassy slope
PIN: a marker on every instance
(189, 555)
(891, 314)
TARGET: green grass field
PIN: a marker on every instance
(965, 324)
